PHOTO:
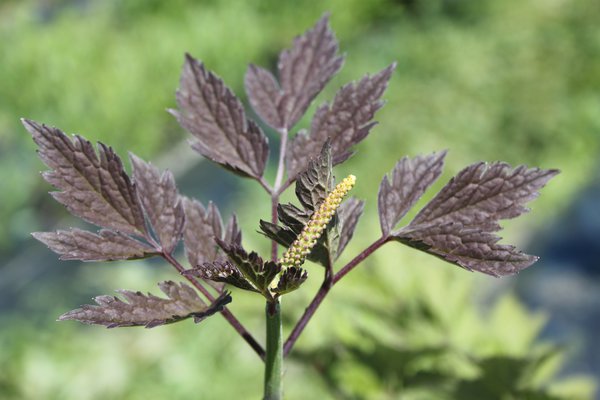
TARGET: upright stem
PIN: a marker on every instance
(276, 186)
(274, 357)
(281, 163)
(274, 347)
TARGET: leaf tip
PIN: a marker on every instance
(188, 57)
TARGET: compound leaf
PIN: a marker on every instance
(458, 223)
(345, 122)
(482, 194)
(160, 199)
(304, 70)
(210, 111)
(148, 310)
(469, 248)
(106, 245)
(93, 186)
(409, 180)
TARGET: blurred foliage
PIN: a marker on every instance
(411, 332)
(429, 342)
(489, 79)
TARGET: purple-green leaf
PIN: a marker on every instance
(409, 180)
(93, 186)
(255, 270)
(140, 309)
(290, 280)
(106, 245)
(457, 225)
(303, 71)
(312, 187)
(211, 112)
(283, 235)
(345, 122)
(314, 183)
(222, 272)
(160, 199)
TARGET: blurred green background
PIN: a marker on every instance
(508, 80)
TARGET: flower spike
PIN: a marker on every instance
(296, 254)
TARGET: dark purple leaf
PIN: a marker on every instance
(409, 180)
(348, 215)
(345, 122)
(482, 194)
(202, 226)
(265, 95)
(472, 249)
(148, 310)
(214, 115)
(93, 186)
(106, 245)
(304, 70)
(159, 196)
(290, 280)
(458, 223)
(233, 234)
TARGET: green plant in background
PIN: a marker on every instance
(436, 346)
(494, 69)
(145, 216)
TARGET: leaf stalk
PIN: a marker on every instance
(328, 283)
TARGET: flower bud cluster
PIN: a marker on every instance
(296, 254)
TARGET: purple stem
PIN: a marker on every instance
(285, 185)
(328, 283)
(237, 325)
(277, 186)
(359, 258)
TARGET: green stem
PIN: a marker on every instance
(274, 356)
